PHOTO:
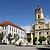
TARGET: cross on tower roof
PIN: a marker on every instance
(38, 5)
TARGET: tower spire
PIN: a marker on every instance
(39, 15)
(38, 5)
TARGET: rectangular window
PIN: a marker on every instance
(5, 28)
(47, 33)
(10, 28)
(18, 31)
(21, 32)
(14, 30)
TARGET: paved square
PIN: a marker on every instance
(12, 47)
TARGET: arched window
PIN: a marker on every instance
(47, 33)
(38, 16)
(39, 33)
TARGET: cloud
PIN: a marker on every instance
(47, 19)
(27, 28)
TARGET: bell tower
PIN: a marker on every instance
(39, 15)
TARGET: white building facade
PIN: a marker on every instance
(8, 27)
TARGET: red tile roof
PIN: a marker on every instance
(10, 23)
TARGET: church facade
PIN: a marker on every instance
(40, 28)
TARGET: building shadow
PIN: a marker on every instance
(43, 48)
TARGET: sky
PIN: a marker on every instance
(22, 12)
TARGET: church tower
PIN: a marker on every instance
(39, 16)
(40, 28)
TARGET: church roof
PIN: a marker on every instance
(10, 23)
(38, 8)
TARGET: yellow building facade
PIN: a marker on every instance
(40, 28)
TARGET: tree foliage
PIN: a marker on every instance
(28, 39)
(9, 37)
(1, 36)
(34, 39)
(49, 37)
(42, 38)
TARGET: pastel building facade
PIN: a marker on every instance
(8, 27)
(40, 28)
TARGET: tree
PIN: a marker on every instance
(9, 37)
(28, 39)
(48, 39)
(34, 40)
(42, 38)
(16, 36)
(1, 36)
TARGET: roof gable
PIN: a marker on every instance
(10, 23)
